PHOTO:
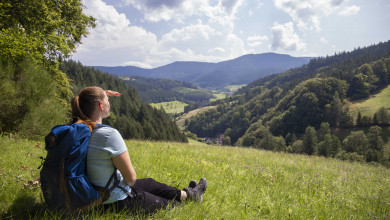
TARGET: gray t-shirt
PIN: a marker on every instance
(105, 143)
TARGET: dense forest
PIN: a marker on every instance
(283, 111)
(36, 85)
(152, 90)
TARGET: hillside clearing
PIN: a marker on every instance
(371, 105)
(181, 120)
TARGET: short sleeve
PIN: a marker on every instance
(115, 143)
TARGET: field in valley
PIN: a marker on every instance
(174, 107)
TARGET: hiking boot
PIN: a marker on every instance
(192, 184)
(196, 192)
(200, 188)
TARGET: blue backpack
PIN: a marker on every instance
(64, 182)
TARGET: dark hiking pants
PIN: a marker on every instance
(148, 196)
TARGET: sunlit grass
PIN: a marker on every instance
(369, 106)
(234, 88)
(173, 107)
(218, 96)
(242, 183)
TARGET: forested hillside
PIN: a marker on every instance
(132, 117)
(152, 90)
(278, 112)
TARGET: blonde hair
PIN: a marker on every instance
(85, 104)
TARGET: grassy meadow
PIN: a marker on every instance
(243, 183)
(173, 107)
(369, 106)
(218, 96)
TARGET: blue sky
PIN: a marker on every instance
(152, 33)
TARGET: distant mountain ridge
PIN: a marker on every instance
(241, 70)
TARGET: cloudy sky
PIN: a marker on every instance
(152, 33)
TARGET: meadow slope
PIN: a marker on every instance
(371, 105)
(243, 183)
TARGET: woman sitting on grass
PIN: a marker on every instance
(107, 151)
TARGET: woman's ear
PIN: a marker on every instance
(100, 105)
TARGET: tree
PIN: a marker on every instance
(290, 138)
(359, 87)
(297, 146)
(379, 69)
(329, 146)
(29, 102)
(374, 136)
(226, 141)
(366, 121)
(325, 145)
(334, 110)
(372, 79)
(359, 119)
(346, 120)
(356, 142)
(280, 144)
(309, 143)
(375, 119)
(376, 143)
(382, 116)
(267, 142)
(323, 131)
(336, 146)
(46, 30)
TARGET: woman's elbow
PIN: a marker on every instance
(131, 180)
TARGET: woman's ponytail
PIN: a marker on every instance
(77, 114)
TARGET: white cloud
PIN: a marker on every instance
(114, 40)
(256, 40)
(308, 13)
(216, 50)
(178, 10)
(285, 38)
(350, 10)
(212, 41)
(138, 64)
(168, 9)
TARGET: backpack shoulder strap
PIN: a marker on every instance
(106, 190)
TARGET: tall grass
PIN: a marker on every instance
(242, 183)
